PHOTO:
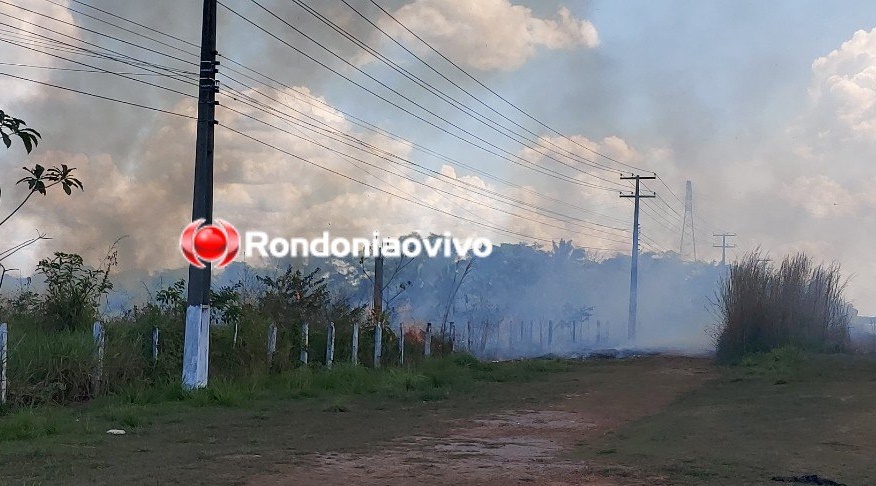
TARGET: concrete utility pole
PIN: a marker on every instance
(197, 333)
(634, 269)
(377, 309)
(723, 246)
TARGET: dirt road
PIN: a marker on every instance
(521, 444)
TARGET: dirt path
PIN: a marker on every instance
(525, 445)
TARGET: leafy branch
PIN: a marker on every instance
(38, 179)
(16, 127)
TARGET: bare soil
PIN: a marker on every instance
(516, 445)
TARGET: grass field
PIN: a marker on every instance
(781, 414)
(655, 420)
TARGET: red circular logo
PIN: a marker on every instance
(214, 243)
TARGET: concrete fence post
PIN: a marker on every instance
(155, 333)
(330, 345)
(99, 335)
(4, 345)
(272, 343)
(355, 358)
(305, 342)
(427, 343)
(401, 344)
(378, 344)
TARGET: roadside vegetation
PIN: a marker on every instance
(763, 307)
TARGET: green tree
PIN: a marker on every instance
(39, 179)
(73, 290)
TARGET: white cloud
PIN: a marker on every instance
(845, 87)
(489, 34)
(25, 46)
(820, 196)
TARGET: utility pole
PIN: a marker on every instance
(197, 333)
(688, 222)
(634, 269)
(723, 246)
(377, 309)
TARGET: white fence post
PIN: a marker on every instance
(154, 345)
(330, 345)
(272, 343)
(99, 335)
(355, 343)
(401, 344)
(378, 344)
(427, 344)
(305, 342)
(4, 340)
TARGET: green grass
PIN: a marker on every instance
(784, 413)
(135, 406)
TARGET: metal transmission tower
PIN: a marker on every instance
(687, 226)
(197, 334)
(723, 246)
(634, 269)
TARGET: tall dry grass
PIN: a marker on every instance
(797, 303)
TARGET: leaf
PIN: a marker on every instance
(66, 187)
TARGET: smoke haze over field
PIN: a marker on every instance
(769, 109)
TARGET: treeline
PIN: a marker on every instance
(54, 358)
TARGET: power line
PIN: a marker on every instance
(50, 39)
(118, 73)
(436, 51)
(396, 159)
(137, 24)
(412, 179)
(130, 31)
(323, 106)
(101, 69)
(371, 127)
(467, 92)
(418, 203)
(94, 95)
(120, 27)
(116, 100)
(442, 95)
(509, 157)
(4, 2)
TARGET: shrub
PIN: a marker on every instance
(796, 304)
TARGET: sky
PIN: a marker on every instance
(768, 108)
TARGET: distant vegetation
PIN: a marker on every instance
(797, 303)
(52, 352)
